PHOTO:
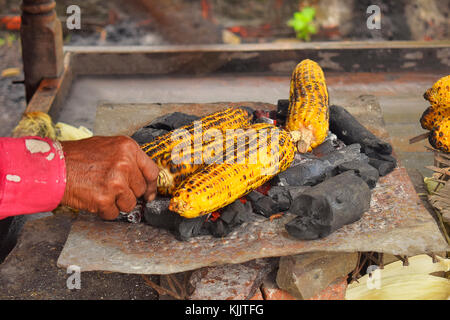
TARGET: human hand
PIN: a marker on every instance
(106, 175)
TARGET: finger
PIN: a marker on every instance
(109, 212)
(150, 196)
(150, 172)
(137, 183)
(126, 201)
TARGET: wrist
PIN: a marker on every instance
(33, 174)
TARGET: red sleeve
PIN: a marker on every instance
(32, 175)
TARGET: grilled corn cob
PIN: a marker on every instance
(231, 118)
(440, 136)
(219, 184)
(439, 94)
(173, 170)
(432, 116)
(308, 105)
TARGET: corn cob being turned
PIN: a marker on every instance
(231, 118)
(439, 137)
(192, 138)
(267, 152)
(439, 94)
(177, 165)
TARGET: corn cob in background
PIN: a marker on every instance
(439, 137)
(231, 118)
(436, 118)
(308, 105)
(439, 94)
(219, 184)
(432, 116)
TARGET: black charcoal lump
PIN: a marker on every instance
(162, 125)
(230, 217)
(266, 206)
(145, 135)
(363, 169)
(350, 131)
(328, 206)
(281, 196)
(172, 121)
(157, 214)
(317, 170)
(282, 111)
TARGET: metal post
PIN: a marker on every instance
(42, 43)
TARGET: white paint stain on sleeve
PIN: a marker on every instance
(59, 149)
(13, 178)
(35, 146)
(50, 156)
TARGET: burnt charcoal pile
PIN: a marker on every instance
(324, 189)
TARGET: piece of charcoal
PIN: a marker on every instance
(188, 228)
(363, 169)
(157, 214)
(145, 135)
(295, 191)
(266, 206)
(254, 196)
(281, 196)
(218, 229)
(172, 121)
(315, 171)
(383, 167)
(283, 108)
(230, 217)
(350, 131)
(328, 146)
(328, 206)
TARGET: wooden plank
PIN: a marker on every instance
(274, 58)
(51, 93)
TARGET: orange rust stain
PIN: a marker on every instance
(11, 22)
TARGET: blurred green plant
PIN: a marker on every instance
(2, 42)
(10, 39)
(302, 23)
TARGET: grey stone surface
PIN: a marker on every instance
(306, 275)
(397, 222)
(231, 281)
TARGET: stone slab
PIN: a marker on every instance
(397, 222)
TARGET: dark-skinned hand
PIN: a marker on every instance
(106, 175)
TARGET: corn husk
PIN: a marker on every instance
(65, 132)
(421, 280)
(40, 124)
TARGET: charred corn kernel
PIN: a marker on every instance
(439, 94)
(432, 116)
(176, 166)
(308, 105)
(231, 118)
(214, 186)
(440, 136)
